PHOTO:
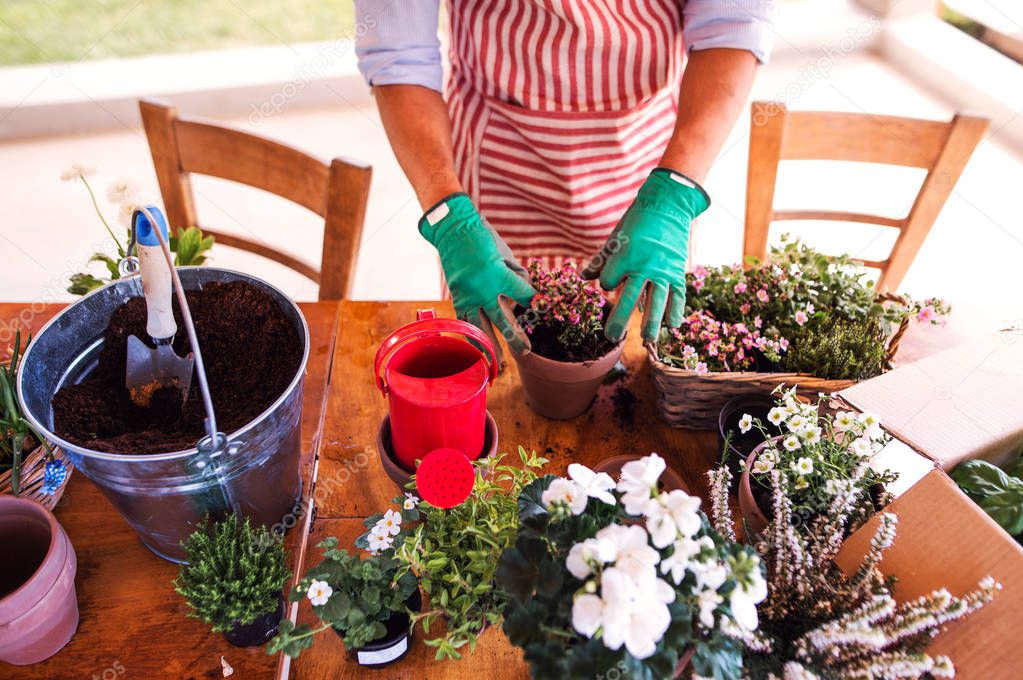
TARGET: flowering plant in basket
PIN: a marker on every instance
(817, 455)
(606, 576)
(817, 623)
(452, 551)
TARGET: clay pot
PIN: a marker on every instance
(740, 446)
(669, 481)
(259, 632)
(39, 606)
(399, 474)
(560, 390)
(753, 515)
(394, 645)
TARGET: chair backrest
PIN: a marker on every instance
(777, 134)
(338, 193)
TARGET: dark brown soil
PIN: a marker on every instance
(544, 341)
(625, 403)
(251, 353)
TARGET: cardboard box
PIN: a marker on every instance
(959, 404)
(944, 540)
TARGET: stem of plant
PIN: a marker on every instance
(17, 442)
(95, 204)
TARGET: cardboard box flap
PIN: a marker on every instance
(944, 540)
(959, 404)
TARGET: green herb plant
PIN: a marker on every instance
(17, 436)
(235, 572)
(365, 593)
(839, 349)
(454, 552)
(998, 492)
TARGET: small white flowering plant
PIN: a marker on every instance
(355, 596)
(453, 552)
(817, 622)
(623, 577)
(816, 454)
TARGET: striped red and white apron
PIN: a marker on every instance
(560, 109)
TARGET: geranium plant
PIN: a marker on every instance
(355, 596)
(565, 319)
(817, 623)
(817, 455)
(607, 577)
(453, 552)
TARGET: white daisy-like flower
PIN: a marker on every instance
(77, 171)
(594, 484)
(378, 542)
(803, 466)
(795, 423)
(319, 592)
(411, 501)
(861, 447)
(810, 434)
(745, 423)
(791, 443)
(389, 524)
(761, 466)
(564, 492)
(844, 421)
(777, 415)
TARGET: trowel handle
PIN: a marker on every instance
(156, 277)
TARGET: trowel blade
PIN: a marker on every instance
(150, 369)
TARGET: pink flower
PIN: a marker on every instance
(701, 368)
(809, 308)
(762, 295)
(926, 314)
(700, 272)
(744, 308)
(757, 321)
(698, 284)
(801, 317)
(783, 343)
(740, 288)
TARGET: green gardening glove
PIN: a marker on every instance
(649, 248)
(479, 267)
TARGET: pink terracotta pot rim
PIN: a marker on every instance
(47, 574)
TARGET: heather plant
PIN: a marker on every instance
(817, 456)
(840, 349)
(702, 344)
(566, 306)
(817, 623)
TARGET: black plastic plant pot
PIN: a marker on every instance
(394, 645)
(741, 445)
(259, 632)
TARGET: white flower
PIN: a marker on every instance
(776, 415)
(801, 483)
(762, 465)
(791, 443)
(566, 492)
(594, 484)
(591, 550)
(319, 592)
(708, 601)
(671, 514)
(378, 541)
(389, 524)
(77, 171)
(634, 556)
(844, 421)
(861, 447)
(681, 558)
(804, 466)
(411, 501)
(745, 597)
(122, 191)
(796, 423)
(124, 213)
(810, 434)
(639, 482)
(635, 611)
(711, 574)
(745, 423)
(587, 612)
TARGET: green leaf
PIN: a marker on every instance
(980, 479)
(189, 245)
(83, 283)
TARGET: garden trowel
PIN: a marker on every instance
(150, 370)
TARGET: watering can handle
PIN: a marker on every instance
(429, 325)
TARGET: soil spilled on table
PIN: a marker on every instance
(625, 403)
(251, 352)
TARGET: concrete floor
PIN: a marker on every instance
(47, 229)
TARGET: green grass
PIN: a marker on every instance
(40, 31)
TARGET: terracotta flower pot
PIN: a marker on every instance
(38, 603)
(258, 632)
(401, 475)
(740, 445)
(669, 481)
(755, 517)
(560, 390)
(395, 643)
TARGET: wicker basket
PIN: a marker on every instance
(32, 467)
(693, 401)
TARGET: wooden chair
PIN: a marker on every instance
(777, 134)
(338, 192)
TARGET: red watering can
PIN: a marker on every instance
(436, 385)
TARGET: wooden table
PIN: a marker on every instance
(133, 624)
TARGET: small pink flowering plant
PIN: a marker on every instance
(566, 305)
(702, 344)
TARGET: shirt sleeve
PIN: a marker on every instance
(397, 42)
(736, 24)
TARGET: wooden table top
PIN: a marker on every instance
(132, 623)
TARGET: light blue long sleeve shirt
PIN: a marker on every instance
(399, 43)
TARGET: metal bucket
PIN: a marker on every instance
(163, 496)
